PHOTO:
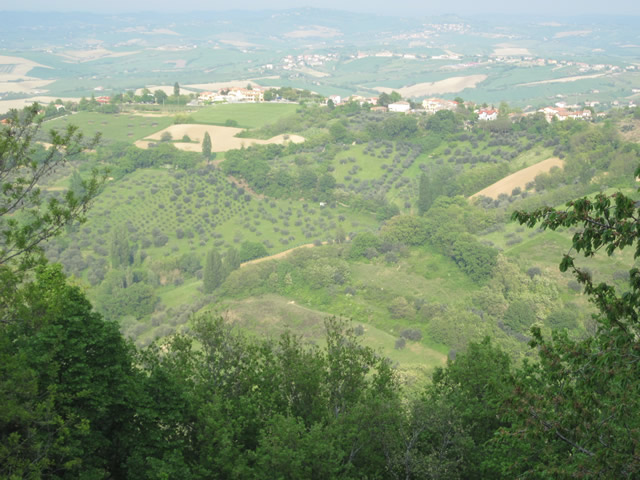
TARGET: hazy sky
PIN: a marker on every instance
(401, 7)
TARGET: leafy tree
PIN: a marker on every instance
(213, 272)
(361, 243)
(405, 229)
(73, 415)
(176, 89)
(160, 96)
(26, 218)
(578, 411)
(251, 250)
(443, 122)
(206, 145)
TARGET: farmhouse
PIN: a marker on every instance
(399, 107)
(487, 114)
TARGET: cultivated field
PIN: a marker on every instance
(562, 80)
(222, 138)
(449, 85)
(519, 179)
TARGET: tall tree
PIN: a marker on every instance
(213, 272)
(231, 260)
(424, 194)
(176, 89)
(119, 249)
(206, 145)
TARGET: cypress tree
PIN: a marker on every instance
(231, 260)
(119, 250)
(424, 194)
(206, 145)
(213, 272)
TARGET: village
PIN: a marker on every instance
(560, 111)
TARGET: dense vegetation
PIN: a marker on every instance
(549, 393)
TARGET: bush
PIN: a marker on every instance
(412, 334)
(400, 343)
(533, 271)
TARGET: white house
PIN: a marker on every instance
(487, 115)
(400, 107)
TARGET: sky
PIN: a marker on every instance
(400, 7)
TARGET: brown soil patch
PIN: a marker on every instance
(504, 49)
(449, 85)
(6, 105)
(519, 179)
(314, 31)
(81, 56)
(168, 89)
(562, 80)
(222, 138)
(572, 33)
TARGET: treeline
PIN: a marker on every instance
(79, 401)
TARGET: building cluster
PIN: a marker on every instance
(562, 113)
(233, 95)
(291, 62)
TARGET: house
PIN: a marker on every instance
(580, 115)
(207, 97)
(379, 109)
(336, 99)
(103, 100)
(433, 105)
(562, 114)
(399, 107)
(487, 114)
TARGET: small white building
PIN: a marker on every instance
(399, 107)
(487, 115)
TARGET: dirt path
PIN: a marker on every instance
(519, 179)
(277, 255)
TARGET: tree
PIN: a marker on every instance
(27, 218)
(425, 195)
(72, 412)
(213, 272)
(231, 260)
(176, 89)
(206, 145)
(160, 96)
(578, 411)
(119, 249)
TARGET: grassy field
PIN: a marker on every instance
(113, 127)
(271, 315)
(247, 115)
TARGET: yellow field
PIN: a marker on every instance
(519, 179)
(222, 138)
